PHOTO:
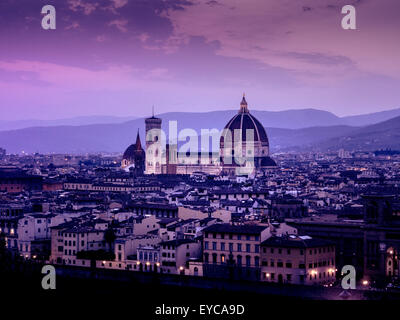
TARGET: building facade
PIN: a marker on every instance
(298, 260)
(233, 251)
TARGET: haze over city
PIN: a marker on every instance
(120, 57)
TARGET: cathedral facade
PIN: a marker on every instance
(244, 150)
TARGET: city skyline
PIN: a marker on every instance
(121, 57)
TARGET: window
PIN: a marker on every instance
(272, 263)
(289, 277)
(264, 263)
(248, 248)
(231, 247)
(206, 245)
(248, 261)
(272, 250)
(206, 257)
(279, 264)
(256, 248)
(288, 265)
(214, 258)
(288, 251)
(239, 260)
(222, 258)
(256, 261)
(239, 247)
(222, 246)
(214, 244)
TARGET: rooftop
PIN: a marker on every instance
(236, 229)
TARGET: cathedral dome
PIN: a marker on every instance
(134, 156)
(130, 153)
(255, 151)
(244, 120)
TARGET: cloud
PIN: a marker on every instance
(304, 37)
(73, 25)
(112, 77)
(120, 24)
(84, 6)
(119, 3)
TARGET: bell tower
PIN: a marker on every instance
(153, 145)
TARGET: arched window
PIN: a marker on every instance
(248, 261)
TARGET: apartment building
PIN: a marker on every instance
(233, 251)
(298, 260)
(68, 240)
(175, 255)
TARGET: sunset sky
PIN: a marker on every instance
(120, 57)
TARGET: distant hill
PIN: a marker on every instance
(299, 139)
(382, 135)
(287, 119)
(75, 121)
(116, 137)
(371, 118)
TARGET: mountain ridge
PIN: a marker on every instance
(289, 119)
(116, 137)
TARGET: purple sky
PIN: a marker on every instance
(119, 57)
